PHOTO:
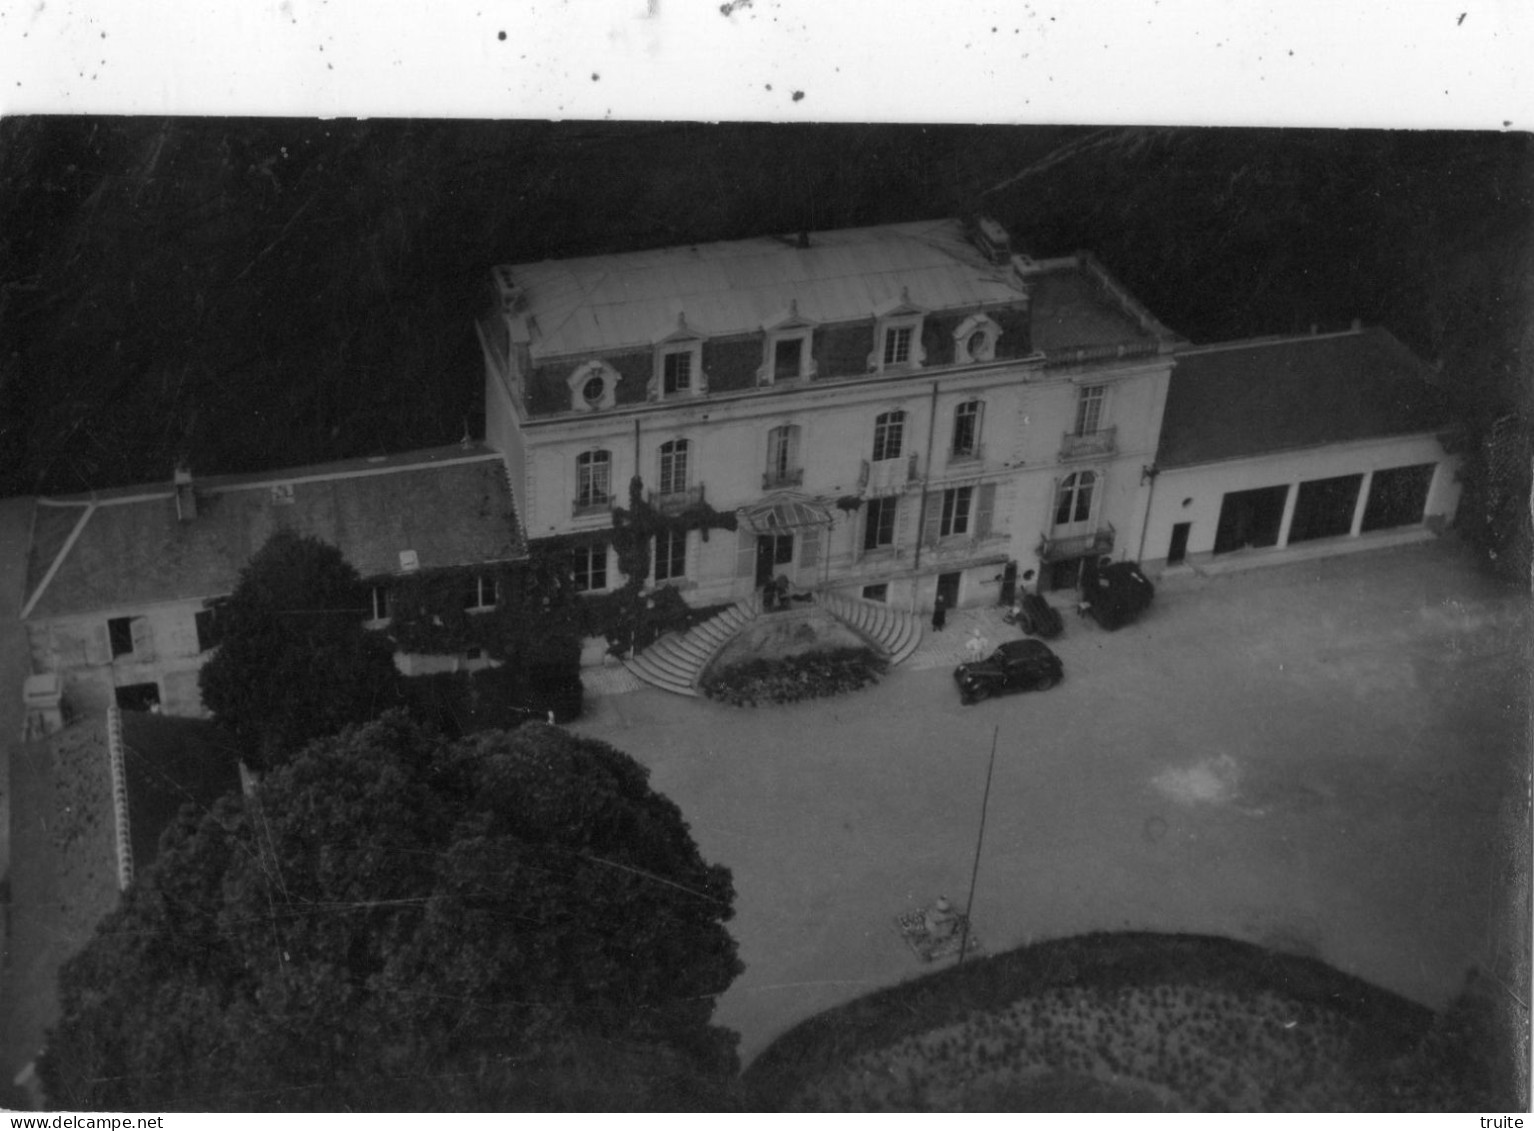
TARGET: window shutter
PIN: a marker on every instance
(985, 504)
(143, 639)
(809, 554)
(91, 646)
(745, 555)
(933, 517)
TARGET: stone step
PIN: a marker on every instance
(674, 663)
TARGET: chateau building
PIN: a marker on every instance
(892, 412)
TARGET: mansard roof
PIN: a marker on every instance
(621, 302)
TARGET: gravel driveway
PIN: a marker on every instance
(1324, 757)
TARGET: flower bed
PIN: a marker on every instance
(1128, 1022)
(787, 679)
(83, 828)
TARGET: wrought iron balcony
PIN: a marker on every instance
(591, 504)
(889, 476)
(1103, 442)
(791, 477)
(1053, 548)
(673, 501)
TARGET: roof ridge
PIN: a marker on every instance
(1278, 340)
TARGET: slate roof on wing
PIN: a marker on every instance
(452, 506)
(1254, 398)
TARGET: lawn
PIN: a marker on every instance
(171, 762)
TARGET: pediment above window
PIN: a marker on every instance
(787, 347)
(677, 364)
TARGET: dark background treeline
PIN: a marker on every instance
(248, 294)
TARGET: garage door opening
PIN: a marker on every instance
(1324, 508)
(1398, 496)
(139, 697)
(1250, 519)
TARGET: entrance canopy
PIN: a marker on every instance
(783, 512)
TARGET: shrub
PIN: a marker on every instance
(810, 675)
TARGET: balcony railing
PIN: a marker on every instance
(1054, 548)
(673, 501)
(1103, 442)
(791, 477)
(889, 476)
(975, 453)
(592, 504)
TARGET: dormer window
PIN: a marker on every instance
(787, 354)
(676, 372)
(975, 340)
(678, 368)
(897, 336)
(593, 387)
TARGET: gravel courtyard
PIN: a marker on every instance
(1327, 757)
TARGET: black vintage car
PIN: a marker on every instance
(1018, 665)
(1114, 593)
(1035, 616)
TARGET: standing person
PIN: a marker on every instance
(939, 613)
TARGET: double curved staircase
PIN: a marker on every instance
(676, 661)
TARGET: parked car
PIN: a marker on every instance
(1035, 616)
(1018, 665)
(1114, 593)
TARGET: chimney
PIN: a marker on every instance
(992, 239)
(186, 497)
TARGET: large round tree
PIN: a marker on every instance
(295, 663)
(396, 921)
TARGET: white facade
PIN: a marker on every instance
(935, 460)
(1196, 496)
(153, 645)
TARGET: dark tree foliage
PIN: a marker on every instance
(254, 294)
(397, 921)
(295, 663)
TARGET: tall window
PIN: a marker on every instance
(593, 479)
(120, 631)
(897, 344)
(380, 603)
(788, 357)
(673, 467)
(589, 568)
(1089, 409)
(966, 429)
(676, 372)
(956, 504)
(209, 632)
(782, 455)
(879, 522)
(1073, 504)
(480, 592)
(888, 428)
(670, 555)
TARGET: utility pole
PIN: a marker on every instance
(969, 904)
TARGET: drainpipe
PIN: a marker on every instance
(921, 510)
(1148, 472)
(636, 448)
